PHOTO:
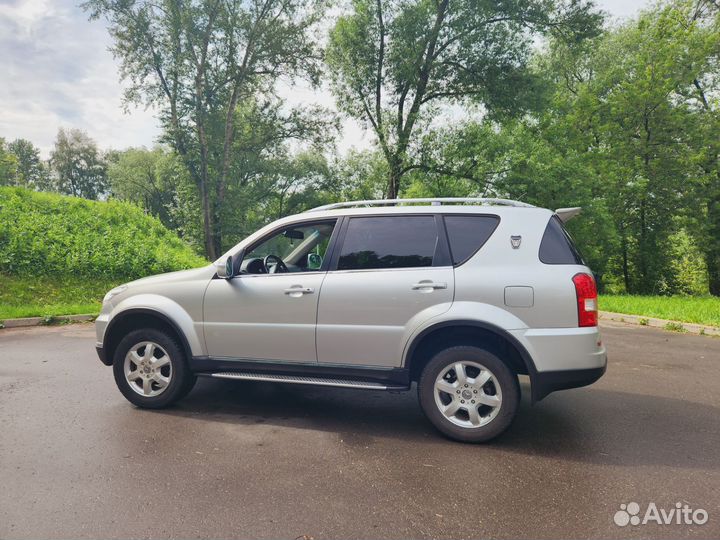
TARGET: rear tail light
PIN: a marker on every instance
(586, 293)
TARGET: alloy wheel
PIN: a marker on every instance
(148, 369)
(468, 394)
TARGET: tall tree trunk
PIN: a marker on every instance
(625, 269)
(394, 180)
(642, 247)
(208, 208)
(210, 252)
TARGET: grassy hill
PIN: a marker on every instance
(59, 255)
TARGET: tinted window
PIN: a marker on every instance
(389, 242)
(556, 246)
(467, 234)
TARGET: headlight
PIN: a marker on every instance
(114, 292)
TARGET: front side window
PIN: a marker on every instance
(297, 248)
(388, 242)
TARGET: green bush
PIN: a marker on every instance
(49, 234)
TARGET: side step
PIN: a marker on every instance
(297, 379)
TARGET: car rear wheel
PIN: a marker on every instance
(469, 394)
(151, 370)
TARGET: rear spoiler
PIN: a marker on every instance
(566, 214)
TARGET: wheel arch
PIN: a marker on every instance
(138, 318)
(439, 336)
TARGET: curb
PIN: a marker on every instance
(43, 321)
(665, 324)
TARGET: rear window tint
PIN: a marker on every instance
(389, 242)
(467, 234)
(557, 247)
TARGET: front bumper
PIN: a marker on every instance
(103, 357)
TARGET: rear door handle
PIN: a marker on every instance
(299, 291)
(428, 285)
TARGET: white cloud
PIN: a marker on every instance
(59, 73)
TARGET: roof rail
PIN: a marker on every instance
(434, 201)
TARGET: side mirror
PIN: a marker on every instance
(225, 268)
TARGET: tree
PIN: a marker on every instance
(32, 171)
(196, 60)
(8, 165)
(273, 150)
(78, 166)
(139, 175)
(701, 20)
(394, 63)
(641, 112)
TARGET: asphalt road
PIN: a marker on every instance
(239, 459)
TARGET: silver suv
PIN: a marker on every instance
(458, 295)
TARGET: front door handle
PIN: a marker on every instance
(298, 291)
(427, 285)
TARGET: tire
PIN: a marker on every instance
(165, 370)
(490, 387)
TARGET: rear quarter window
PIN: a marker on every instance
(557, 246)
(468, 233)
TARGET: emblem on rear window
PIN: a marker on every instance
(515, 241)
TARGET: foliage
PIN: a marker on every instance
(46, 234)
(32, 171)
(78, 166)
(689, 309)
(197, 61)
(8, 165)
(626, 134)
(393, 63)
(688, 269)
(157, 181)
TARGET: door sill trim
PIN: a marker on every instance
(388, 377)
(297, 379)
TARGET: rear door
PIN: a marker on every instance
(389, 273)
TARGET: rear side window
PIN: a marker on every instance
(557, 247)
(467, 234)
(389, 242)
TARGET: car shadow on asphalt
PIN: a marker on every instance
(591, 425)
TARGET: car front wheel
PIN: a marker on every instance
(150, 369)
(469, 394)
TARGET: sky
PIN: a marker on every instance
(57, 72)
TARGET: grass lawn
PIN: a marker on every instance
(700, 310)
(47, 296)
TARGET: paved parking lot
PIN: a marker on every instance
(240, 459)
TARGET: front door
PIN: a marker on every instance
(390, 274)
(268, 311)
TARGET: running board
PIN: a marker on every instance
(296, 379)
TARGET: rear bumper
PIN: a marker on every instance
(563, 349)
(563, 357)
(546, 382)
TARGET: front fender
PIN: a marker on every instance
(167, 309)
